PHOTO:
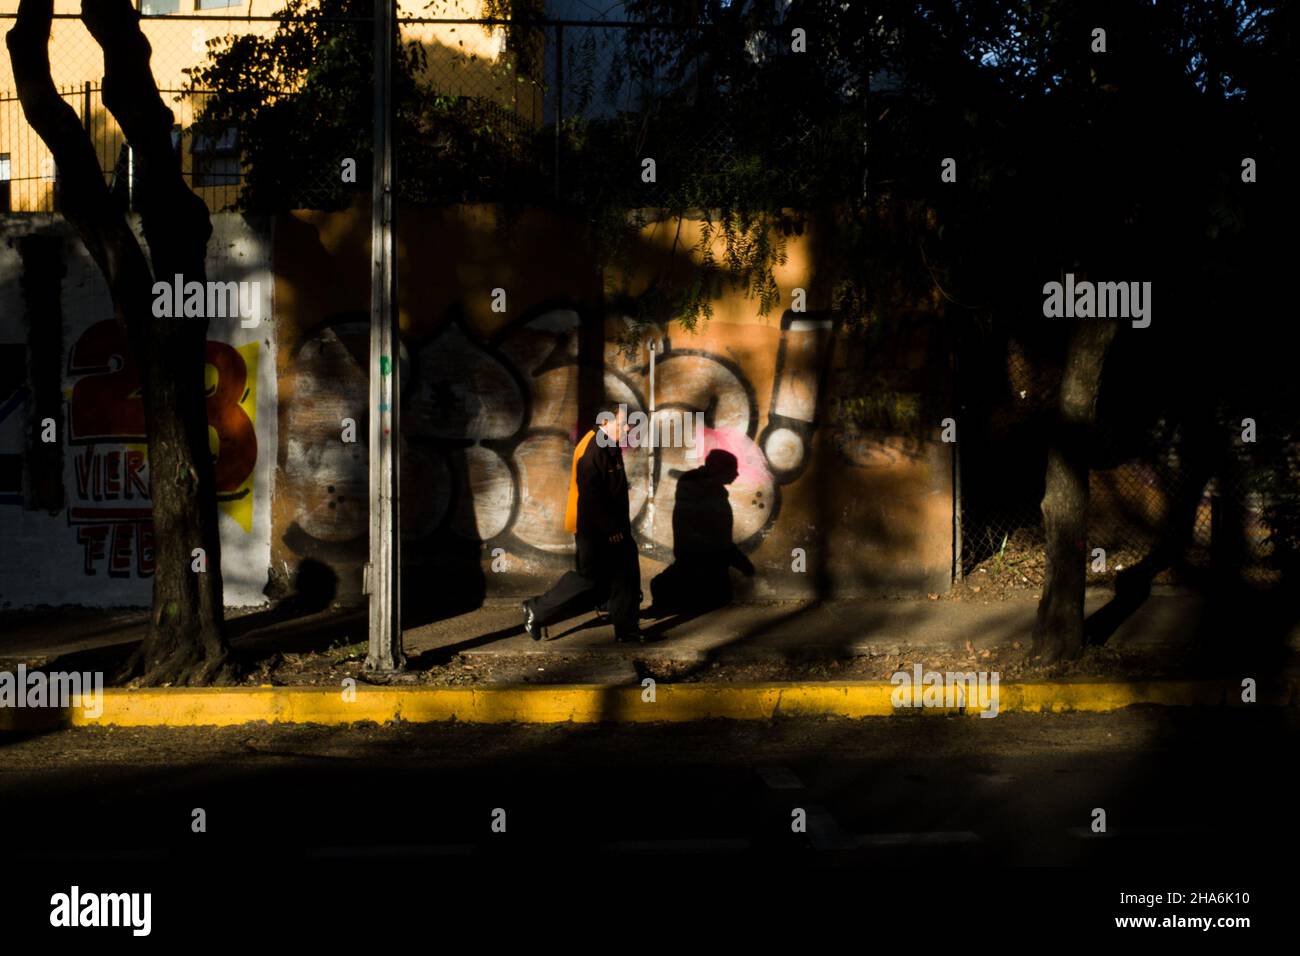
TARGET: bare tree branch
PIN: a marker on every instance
(175, 221)
(86, 201)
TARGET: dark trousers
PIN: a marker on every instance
(604, 571)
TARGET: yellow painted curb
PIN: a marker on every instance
(592, 703)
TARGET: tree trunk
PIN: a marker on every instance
(184, 644)
(1058, 632)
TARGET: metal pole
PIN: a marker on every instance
(956, 513)
(650, 473)
(383, 581)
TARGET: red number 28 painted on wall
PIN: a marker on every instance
(107, 405)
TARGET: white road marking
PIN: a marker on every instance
(700, 844)
(388, 852)
(780, 778)
(930, 838)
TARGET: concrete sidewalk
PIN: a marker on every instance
(769, 632)
(801, 630)
(579, 674)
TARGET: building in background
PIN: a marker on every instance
(463, 60)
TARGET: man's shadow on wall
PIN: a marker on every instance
(699, 579)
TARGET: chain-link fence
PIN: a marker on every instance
(1191, 499)
(212, 155)
(276, 112)
(29, 178)
(618, 113)
(639, 119)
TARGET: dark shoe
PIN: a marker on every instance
(531, 627)
(630, 637)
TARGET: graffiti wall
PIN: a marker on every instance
(75, 510)
(507, 341)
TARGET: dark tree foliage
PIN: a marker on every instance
(302, 101)
(770, 118)
(1117, 165)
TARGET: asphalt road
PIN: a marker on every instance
(1199, 791)
(1016, 789)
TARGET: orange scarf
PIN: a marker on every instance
(571, 507)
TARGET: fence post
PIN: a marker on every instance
(383, 578)
(1228, 552)
(1218, 537)
(955, 391)
(85, 106)
(559, 100)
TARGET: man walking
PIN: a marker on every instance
(597, 514)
